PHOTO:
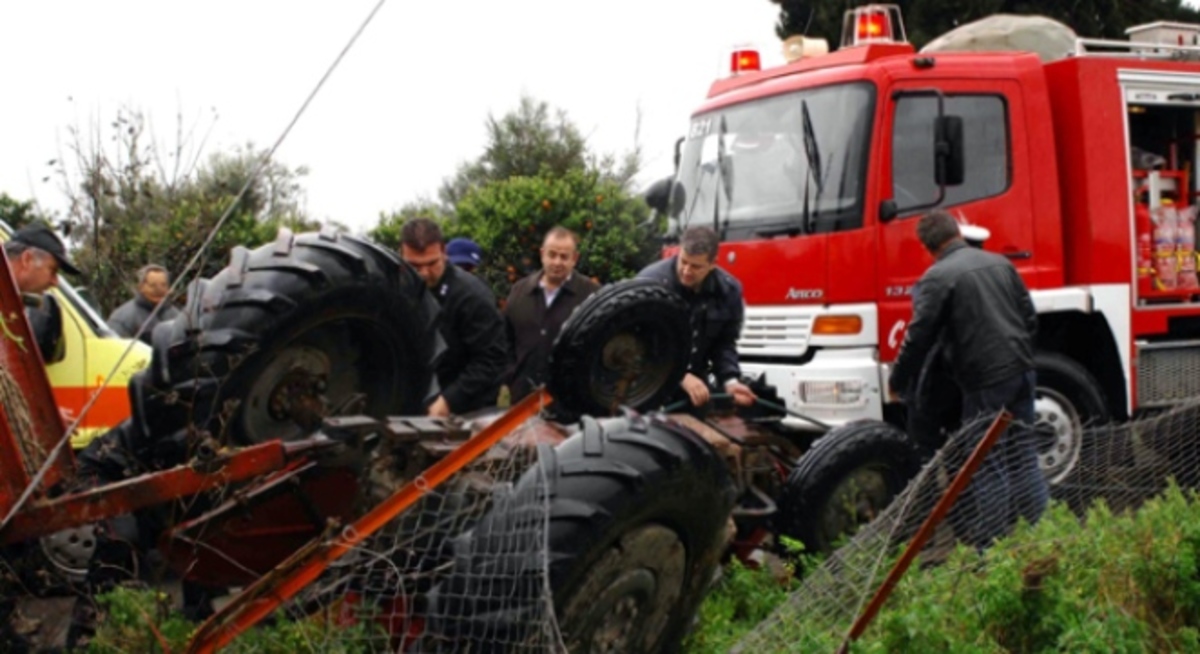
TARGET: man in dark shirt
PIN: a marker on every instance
(974, 305)
(715, 300)
(537, 307)
(153, 283)
(469, 373)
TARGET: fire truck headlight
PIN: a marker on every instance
(832, 393)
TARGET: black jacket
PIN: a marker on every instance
(125, 319)
(717, 313)
(476, 350)
(976, 303)
(532, 327)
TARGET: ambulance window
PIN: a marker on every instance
(986, 149)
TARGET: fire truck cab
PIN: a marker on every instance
(1081, 169)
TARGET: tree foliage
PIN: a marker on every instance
(536, 171)
(508, 218)
(928, 19)
(18, 213)
(130, 204)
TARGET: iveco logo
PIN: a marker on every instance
(804, 293)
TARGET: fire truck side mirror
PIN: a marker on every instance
(658, 196)
(679, 151)
(948, 151)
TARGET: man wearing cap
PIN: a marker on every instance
(153, 282)
(35, 256)
(470, 371)
(537, 307)
(464, 253)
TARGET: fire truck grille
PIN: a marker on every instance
(1168, 375)
(775, 332)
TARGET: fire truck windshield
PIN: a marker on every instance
(786, 164)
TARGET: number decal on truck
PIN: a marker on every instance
(898, 291)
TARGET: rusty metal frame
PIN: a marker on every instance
(19, 356)
(271, 591)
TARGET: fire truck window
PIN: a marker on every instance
(985, 134)
(787, 164)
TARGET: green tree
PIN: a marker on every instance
(130, 204)
(387, 230)
(535, 172)
(17, 213)
(528, 141)
(509, 217)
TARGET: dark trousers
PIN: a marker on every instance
(1008, 485)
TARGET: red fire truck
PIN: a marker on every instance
(1081, 169)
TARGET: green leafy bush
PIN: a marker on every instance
(1109, 583)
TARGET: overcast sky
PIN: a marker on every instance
(401, 112)
(403, 109)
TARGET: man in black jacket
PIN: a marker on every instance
(715, 299)
(476, 350)
(537, 307)
(974, 303)
(153, 283)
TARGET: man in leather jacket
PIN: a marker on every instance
(715, 300)
(974, 304)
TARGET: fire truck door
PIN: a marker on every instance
(996, 192)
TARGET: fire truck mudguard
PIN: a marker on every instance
(848, 477)
(308, 326)
(637, 521)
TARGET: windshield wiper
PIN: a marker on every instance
(812, 154)
(723, 184)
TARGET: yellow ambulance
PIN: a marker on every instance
(90, 352)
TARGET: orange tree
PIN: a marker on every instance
(508, 218)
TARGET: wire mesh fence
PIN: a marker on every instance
(401, 591)
(1122, 465)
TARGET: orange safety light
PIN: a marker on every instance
(873, 24)
(744, 61)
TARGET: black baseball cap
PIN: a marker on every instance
(41, 237)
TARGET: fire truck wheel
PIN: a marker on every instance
(848, 477)
(1068, 400)
(308, 326)
(637, 518)
(626, 345)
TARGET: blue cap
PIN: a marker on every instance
(464, 252)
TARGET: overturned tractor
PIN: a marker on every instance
(273, 445)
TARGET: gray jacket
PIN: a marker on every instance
(976, 304)
(127, 318)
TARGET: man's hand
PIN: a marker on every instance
(439, 408)
(742, 395)
(893, 396)
(696, 389)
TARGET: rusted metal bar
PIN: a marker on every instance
(998, 426)
(271, 591)
(20, 360)
(47, 517)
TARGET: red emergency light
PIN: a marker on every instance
(873, 24)
(744, 61)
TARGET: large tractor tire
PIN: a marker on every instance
(291, 332)
(849, 476)
(626, 346)
(1068, 400)
(638, 511)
